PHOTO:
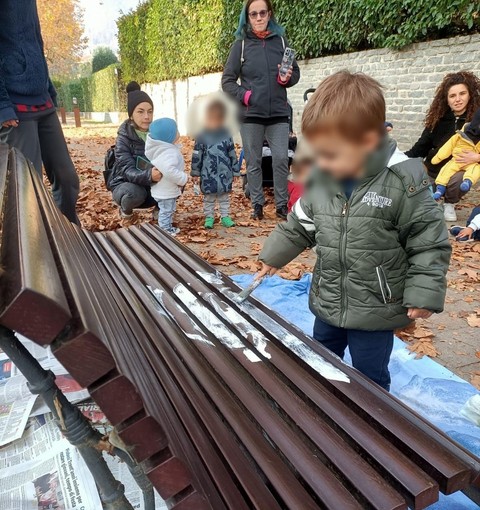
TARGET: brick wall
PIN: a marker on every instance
(409, 77)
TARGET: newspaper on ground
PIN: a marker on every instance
(43, 471)
(16, 401)
(16, 404)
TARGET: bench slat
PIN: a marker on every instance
(32, 301)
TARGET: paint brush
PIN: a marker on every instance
(245, 294)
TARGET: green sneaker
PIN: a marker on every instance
(228, 222)
(209, 222)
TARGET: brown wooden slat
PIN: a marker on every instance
(32, 300)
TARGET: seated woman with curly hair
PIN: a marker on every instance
(456, 100)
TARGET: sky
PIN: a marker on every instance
(100, 17)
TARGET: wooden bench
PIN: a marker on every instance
(226, 406)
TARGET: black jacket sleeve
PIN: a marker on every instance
(127, 164)
(231, 73)
(423, 146)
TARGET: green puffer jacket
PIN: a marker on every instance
(381, 252)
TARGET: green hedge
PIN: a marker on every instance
(101, 92)
(170, 39)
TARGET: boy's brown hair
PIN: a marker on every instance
(349, 103)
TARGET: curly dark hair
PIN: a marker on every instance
(439, 106)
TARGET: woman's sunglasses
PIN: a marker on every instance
(254, 15)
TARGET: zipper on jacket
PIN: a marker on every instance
(343, 262)
(268, 80)
(384, 287)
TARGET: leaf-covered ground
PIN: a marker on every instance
(453, 338)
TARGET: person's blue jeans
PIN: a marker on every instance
(370, 350)
(166, 208)
(475, 212)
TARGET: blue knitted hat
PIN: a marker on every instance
(164, 130)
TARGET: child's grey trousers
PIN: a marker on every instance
(210, 201)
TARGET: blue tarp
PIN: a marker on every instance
(424, 385)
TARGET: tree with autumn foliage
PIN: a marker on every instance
(62, 30)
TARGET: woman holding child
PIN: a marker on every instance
(255, 59)
(130, 184)
(456, 100)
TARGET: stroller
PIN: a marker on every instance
(267, 162)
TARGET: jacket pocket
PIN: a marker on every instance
(385, 289)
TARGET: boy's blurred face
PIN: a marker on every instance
(341, 157)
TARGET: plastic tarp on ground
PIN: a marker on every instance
(424, 385)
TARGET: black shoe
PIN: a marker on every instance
(257, 212)
(282, 212)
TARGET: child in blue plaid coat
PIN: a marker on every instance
(215, 165)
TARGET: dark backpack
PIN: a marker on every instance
(109, 164)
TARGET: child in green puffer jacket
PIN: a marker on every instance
(381, 241)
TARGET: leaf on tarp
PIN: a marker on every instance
(424, 347)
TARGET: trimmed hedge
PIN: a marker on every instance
(173, 39)
(101, 92)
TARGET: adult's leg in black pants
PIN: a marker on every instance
(25, 139)
(131, 196)
(334, 339)
(58, 165)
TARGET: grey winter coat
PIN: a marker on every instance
(379, 253)
(215, 161)
(259, 73)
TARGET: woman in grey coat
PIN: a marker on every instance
(252, 78)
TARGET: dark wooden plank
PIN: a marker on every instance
(166, 357)
(32, 300)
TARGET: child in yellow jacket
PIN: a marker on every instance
(464, 141)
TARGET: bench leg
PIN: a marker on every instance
(73, 425)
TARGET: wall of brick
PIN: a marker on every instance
(409, 77)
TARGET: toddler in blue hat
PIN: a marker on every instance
(165, 155)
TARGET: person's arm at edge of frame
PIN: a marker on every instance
(231, 73)
(424, 237)
(288, 239)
